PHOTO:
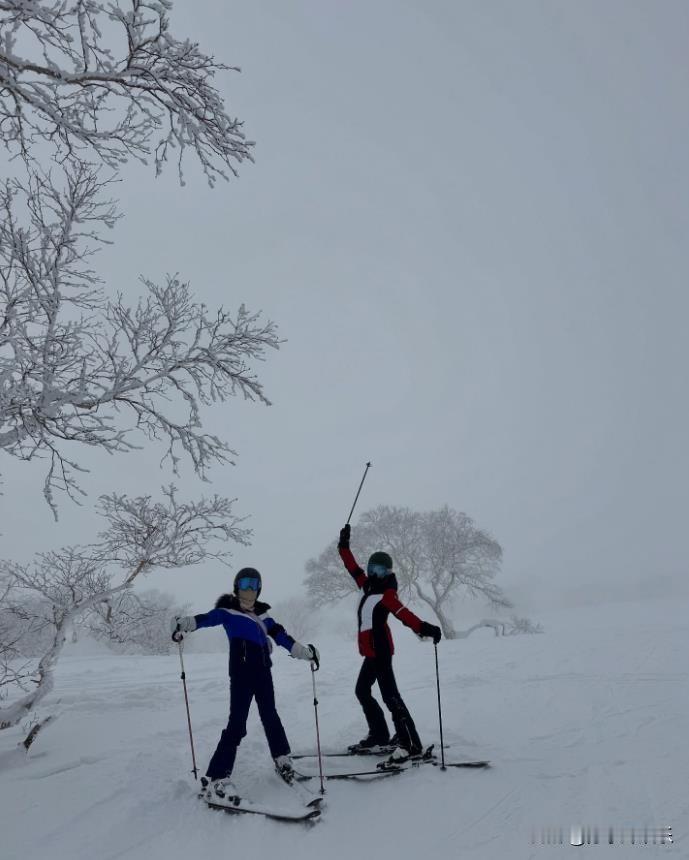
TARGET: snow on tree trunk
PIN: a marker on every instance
(141, 535)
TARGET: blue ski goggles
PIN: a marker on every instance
(248, 583)
(377, 570)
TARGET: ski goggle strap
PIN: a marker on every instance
(377, 570)
(248, 583)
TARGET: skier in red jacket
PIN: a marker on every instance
(379, 599)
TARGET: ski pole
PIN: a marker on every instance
(356, 498)
(186, 701)
(440, 712)
(318, 734)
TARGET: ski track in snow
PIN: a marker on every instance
(585, 724)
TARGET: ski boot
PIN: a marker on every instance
(284, 768)
(370, 745)
(400, 756)
(219, 791)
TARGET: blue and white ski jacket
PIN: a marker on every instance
(249, 632)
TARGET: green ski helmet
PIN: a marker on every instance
(379, 564)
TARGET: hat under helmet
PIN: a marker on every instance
(247, 571)
(381, 558)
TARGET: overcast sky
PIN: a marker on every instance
(470, 221)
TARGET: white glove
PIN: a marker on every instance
(306, 652)
(182, 624)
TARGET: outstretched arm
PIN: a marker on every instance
(277, 632)
(181, 624)
(422, 628)
(391, 601)
(211, 619)
(348, 559)
(281, 636)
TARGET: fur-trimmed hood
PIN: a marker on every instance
(231, 601)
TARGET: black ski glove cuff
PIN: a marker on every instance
(431, 631)
(345, 534)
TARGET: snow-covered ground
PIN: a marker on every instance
(586, 723)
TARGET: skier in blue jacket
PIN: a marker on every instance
(249, 628)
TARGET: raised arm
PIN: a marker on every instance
(348, 559)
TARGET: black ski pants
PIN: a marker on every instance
(253, 681)
(380, 669)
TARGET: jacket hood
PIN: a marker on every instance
(377, 585)
(230, 601)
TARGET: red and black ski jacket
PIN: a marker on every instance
(379, 599)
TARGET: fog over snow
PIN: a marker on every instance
(584, 725)
(470, 222)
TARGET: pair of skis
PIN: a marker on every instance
(385, 768)
(236, 805)
(312, 803)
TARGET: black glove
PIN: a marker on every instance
(431, 631)
(344, 537)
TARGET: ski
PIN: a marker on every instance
(384, 767)
(375, 751)
(363, 775)
(240, 806)
(348, 753)
(309, 798)
(426, 756)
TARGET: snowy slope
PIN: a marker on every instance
(586, 723)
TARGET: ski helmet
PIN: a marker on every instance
(379, 564)
(248, 578)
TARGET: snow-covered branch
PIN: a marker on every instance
(104, 82)
(513, 626)
(64, 586)
(135, 622)
(75, 367)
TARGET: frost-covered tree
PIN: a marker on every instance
(78, 369)
(297, 616)
(89, 81)
(135, 622)
(437, 556)
(14, 670)
(69, 584)
(84, 85)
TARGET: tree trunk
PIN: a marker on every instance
(445, 624)
(12, 714)
(15, 712)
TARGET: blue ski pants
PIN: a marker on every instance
(252, 682)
